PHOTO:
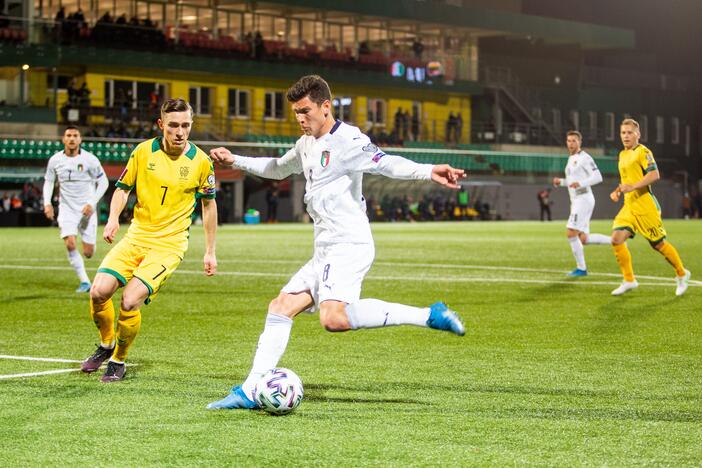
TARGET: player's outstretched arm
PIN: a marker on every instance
(269, 168)
(119, 201)
(447, 176)
(209, 222)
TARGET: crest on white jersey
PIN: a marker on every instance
(324, 161)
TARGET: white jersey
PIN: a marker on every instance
(81, 180)
(581, 168)
(333, 166)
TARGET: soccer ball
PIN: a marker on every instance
(279, 391)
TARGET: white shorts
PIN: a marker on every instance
(73, 223)
(335, 272)
(580, 213)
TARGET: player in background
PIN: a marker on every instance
(641, 212)
(333, 157)
(82, 183)
(170, 174)
(581, 173)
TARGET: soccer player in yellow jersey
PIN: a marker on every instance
(641, 212)
(169, 175)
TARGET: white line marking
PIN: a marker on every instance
(30, 358)
(33, 374)
(379, 263)
(49, 372)
(667, 281)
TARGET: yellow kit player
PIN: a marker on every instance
(641, 212)
(169, 175)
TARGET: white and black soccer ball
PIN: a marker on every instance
(279, 391)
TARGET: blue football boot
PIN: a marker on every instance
(83, 288)
(237, 399)
(578, 272)
(442, 318)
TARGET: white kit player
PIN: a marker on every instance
(581, 173)
(82, 183)
(333, 157)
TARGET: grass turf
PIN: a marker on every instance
(552, 370)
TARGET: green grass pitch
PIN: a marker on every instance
(552, 371)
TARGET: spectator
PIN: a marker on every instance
(417, 47)
(458, 128)
(462, 200)
(272, 196)
(258, 47)
(450, 127)
(6, 202)
(15, 203)
(696, 204)
(364, 48)
(72, 92)
(686, 206)
(544, 198)
(415, 125)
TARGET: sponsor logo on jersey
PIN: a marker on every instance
(377, 156)
(80, 168)
(151, 166)
(326, 155)
(370, 148)
(649, 157)
(211, 179)
(184, 171)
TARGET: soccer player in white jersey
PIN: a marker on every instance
(333, 157)
(82, 183)
(581, 173)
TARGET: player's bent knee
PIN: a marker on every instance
(100, 294)
(131, 302)
(332, 316)
(70, 242)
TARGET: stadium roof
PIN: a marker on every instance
(433, 17)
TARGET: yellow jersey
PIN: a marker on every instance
(167, 189)
(634, 164)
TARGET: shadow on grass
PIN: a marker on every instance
(621, 313)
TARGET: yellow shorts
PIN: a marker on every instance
(152, 267)
(648, 223)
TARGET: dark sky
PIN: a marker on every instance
(671, 30)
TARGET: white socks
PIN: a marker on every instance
(271, 346)
(76, 261)
(372, 313)
(598, 239)
(578, 252)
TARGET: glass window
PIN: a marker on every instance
(556, 118)
(675, 130)
(238, 103)
(575, 119)
(660, 130)
(200, 99)
(274, 105)
(342, 108)
(643, 124)
(609, 126)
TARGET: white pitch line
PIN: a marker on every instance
(34, 374)
(30, 358)
(382, 263)
(668, 281)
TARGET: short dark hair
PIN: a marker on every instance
(71, 127)
(575, 133)
(313, 86)
(175, 105)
